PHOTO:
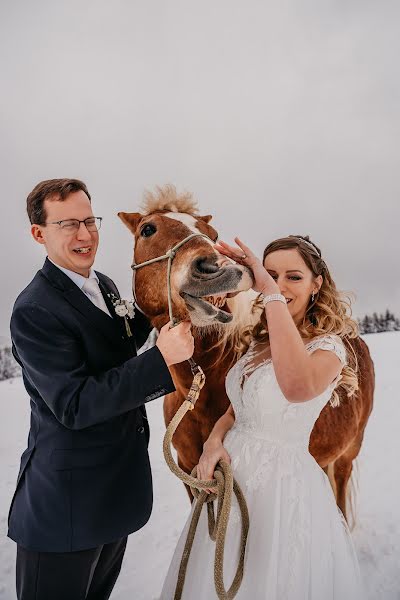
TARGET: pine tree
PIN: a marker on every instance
(379, 323)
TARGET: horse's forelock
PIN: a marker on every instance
(166, 199)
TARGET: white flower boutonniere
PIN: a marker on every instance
(123, 308)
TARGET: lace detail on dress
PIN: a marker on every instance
(253, 359)
(249, 365)
(257, 355)
(332, 343)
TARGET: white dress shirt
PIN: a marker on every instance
(80, 281)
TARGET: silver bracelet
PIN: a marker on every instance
(271, 298)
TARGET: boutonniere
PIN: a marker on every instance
(123, 308)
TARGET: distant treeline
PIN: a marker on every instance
(8, 366)
(379, 323)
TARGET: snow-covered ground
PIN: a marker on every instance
(377, 533)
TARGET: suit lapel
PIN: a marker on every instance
(72, 294)
(108, 288)
(106, 291)
(106, 295)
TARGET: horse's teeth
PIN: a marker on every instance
(217, 301)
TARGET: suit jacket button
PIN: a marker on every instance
(140, 429)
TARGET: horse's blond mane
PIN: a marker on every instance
(166, 198)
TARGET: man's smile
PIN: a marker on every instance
(82, 250)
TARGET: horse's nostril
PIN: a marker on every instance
(205, 266)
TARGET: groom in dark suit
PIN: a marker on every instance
(85, 482)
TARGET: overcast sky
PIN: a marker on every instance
(281, 117)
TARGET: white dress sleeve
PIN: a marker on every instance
(331, 343)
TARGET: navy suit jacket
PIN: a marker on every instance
(85, 476)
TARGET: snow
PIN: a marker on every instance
(377, 530)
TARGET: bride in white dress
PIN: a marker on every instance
(299, 546)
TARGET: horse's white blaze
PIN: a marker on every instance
(179, 275)
(189, 221)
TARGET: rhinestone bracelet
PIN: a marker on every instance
(271, 297)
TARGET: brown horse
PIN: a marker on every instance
(204, 287)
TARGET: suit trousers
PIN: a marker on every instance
(83, 575)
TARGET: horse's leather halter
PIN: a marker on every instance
(170, 255)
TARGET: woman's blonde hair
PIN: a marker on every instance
(329, 312)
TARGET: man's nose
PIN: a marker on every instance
(83, 233)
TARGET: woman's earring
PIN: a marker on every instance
(312, 297)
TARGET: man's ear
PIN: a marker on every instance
(37, 234)
(131, 220)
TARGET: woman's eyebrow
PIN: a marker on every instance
(290, 271)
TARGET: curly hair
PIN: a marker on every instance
(329, 312)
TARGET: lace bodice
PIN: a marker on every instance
(259, 404)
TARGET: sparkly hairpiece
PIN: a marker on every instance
(311, 245)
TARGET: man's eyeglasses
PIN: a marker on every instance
(72, 225)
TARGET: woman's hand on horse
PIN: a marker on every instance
(242, 255)
(176, 344)
(213, 452)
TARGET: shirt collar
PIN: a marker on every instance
(78, 279)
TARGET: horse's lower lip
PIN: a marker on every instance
(201, 299)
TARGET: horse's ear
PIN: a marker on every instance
(131, 220)
(206, 218)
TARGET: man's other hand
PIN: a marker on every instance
(176, 344)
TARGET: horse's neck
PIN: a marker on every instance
(210, 349)
(209, 354)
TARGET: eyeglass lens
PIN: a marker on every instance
(92, 224)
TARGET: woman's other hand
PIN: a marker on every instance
(213, 452)
(263, 282)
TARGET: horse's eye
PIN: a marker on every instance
(148, 230)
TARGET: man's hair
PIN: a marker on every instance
(51, 189)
